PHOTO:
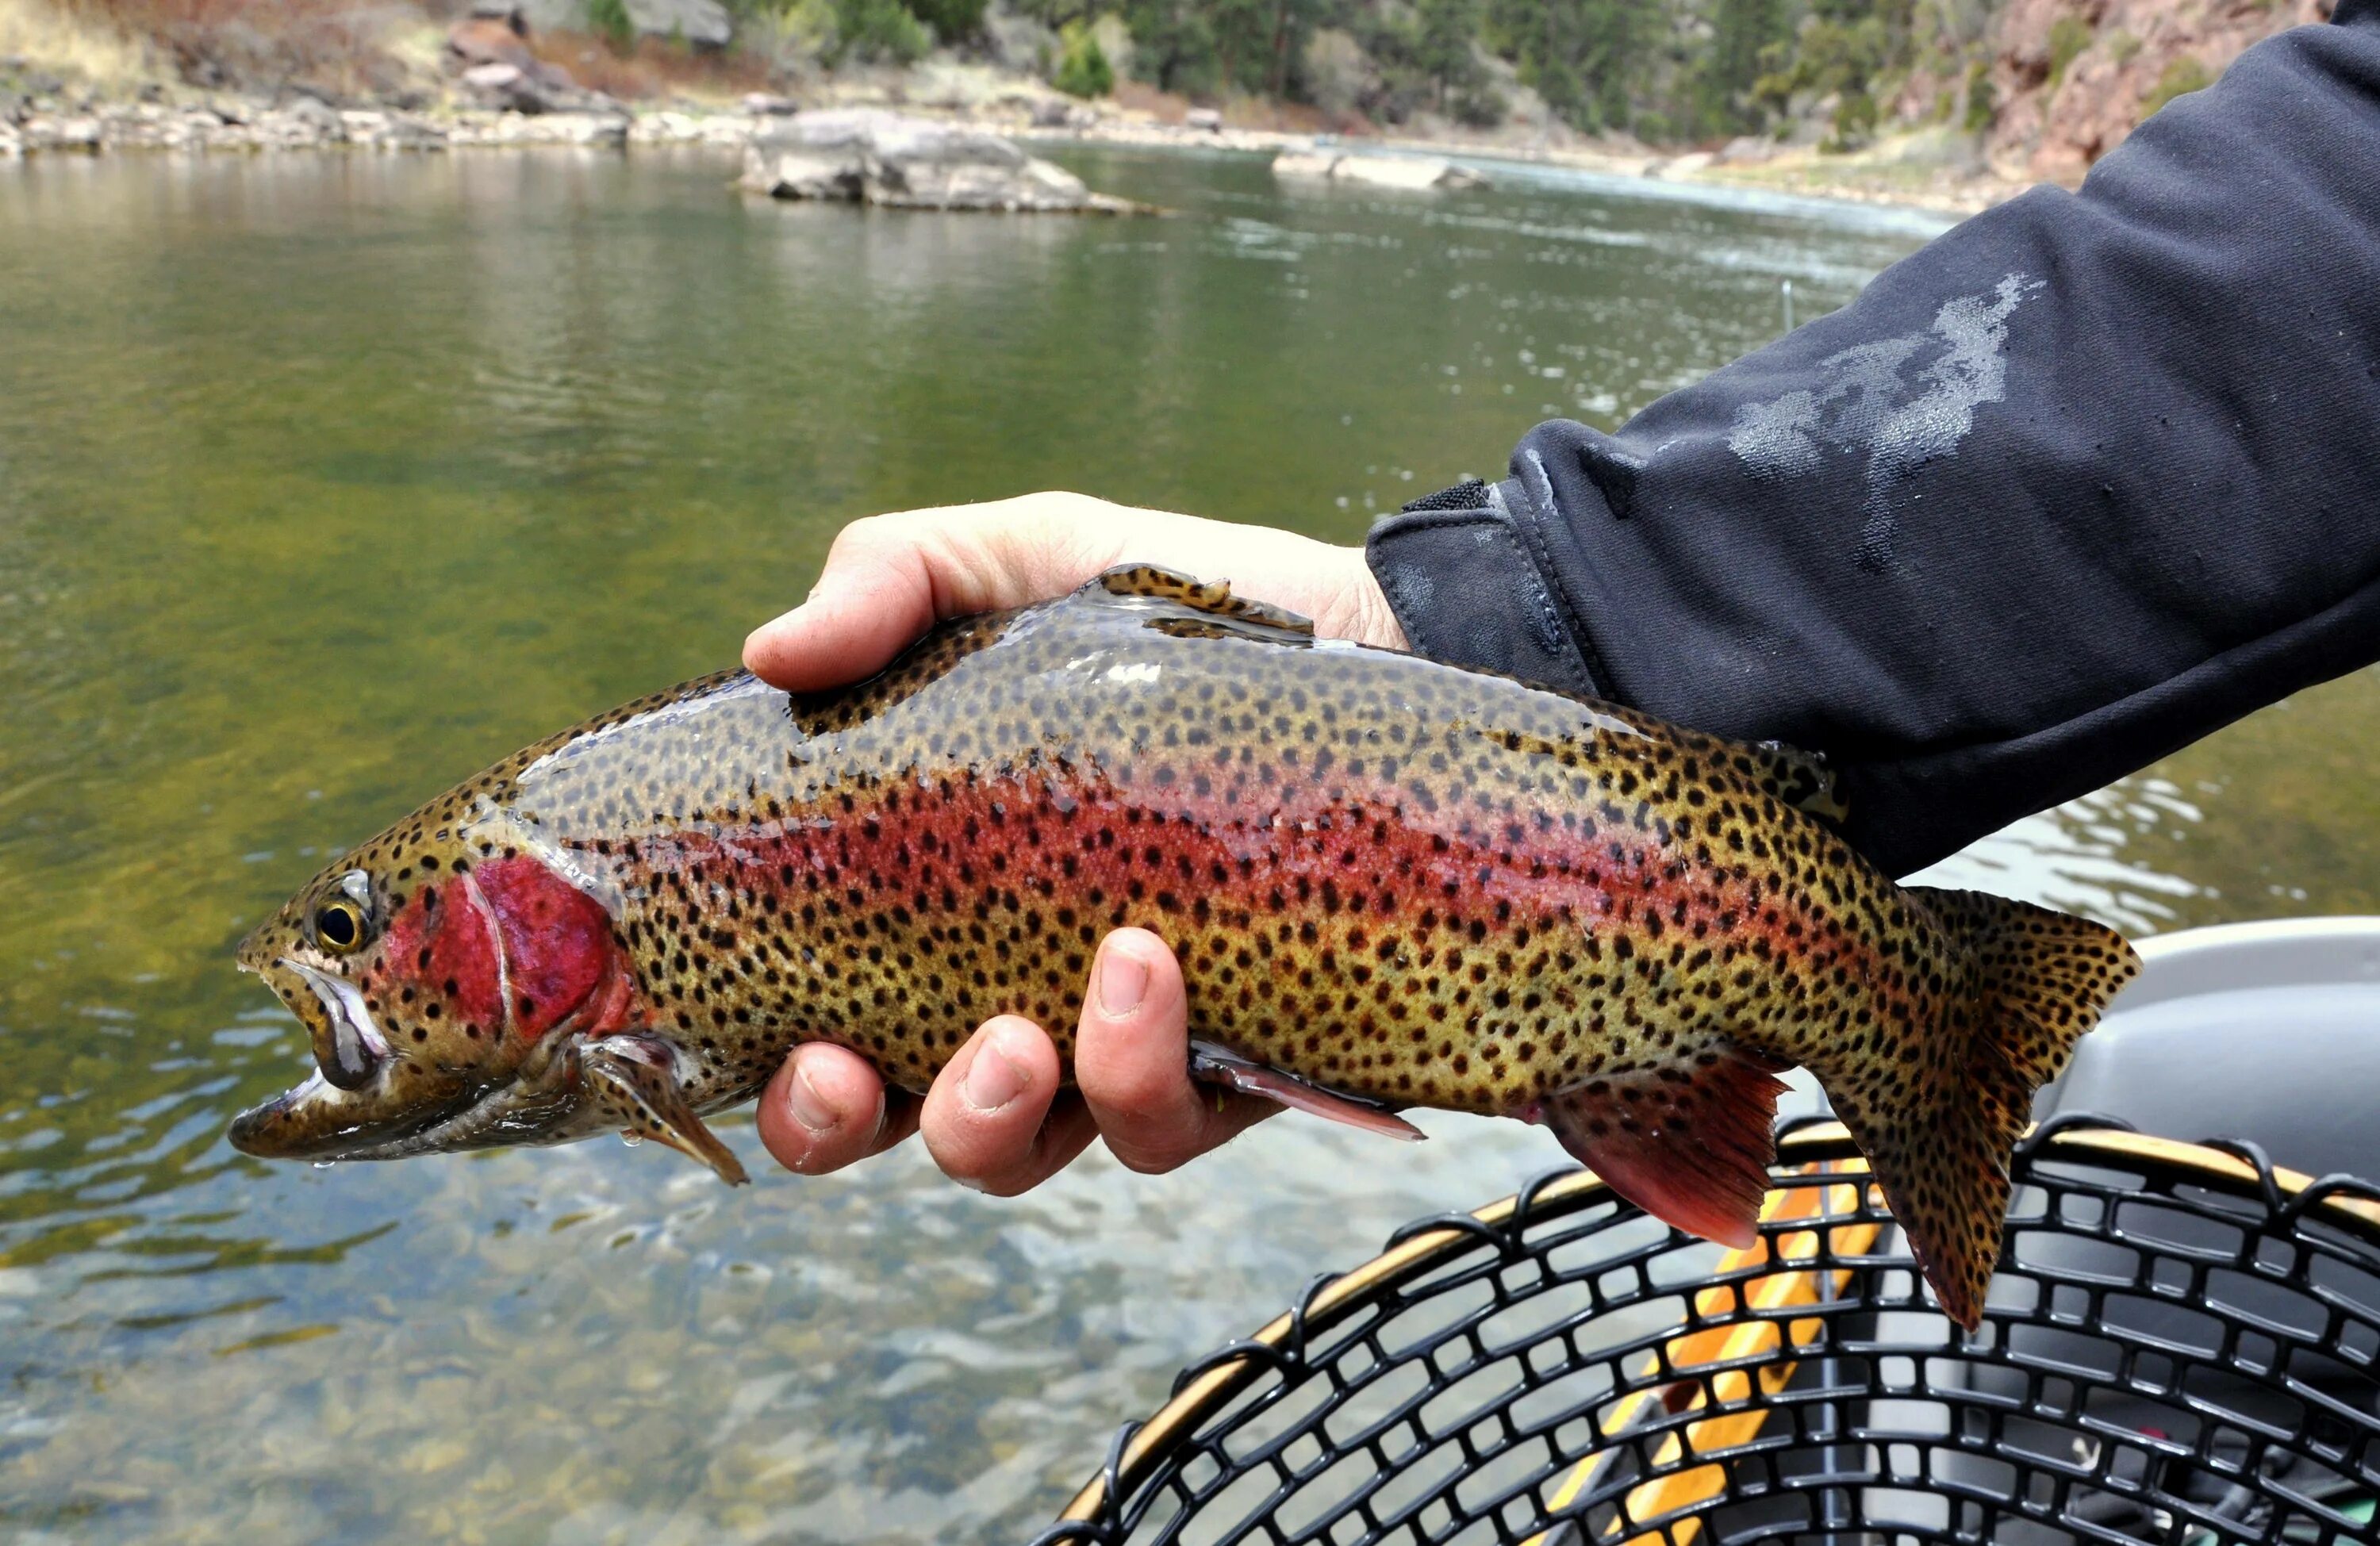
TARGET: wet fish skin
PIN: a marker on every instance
(1404, 883)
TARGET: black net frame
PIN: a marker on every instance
(2182, 1346)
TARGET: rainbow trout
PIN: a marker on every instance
(1391, 883)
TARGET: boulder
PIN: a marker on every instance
(302, 122)
(476, 40)
(938, 167)
(507, 88)
(883, 158)
(1018, 43)
(813, 155)
(1207, 118)
(607, 130)
(762, 104)
(76, 132)
(1693, 164)
(1405, 172)
(393, 131)
(704, 24)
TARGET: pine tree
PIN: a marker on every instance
(1443, 41)
(1741, 31)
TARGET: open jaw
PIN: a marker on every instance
(354, 1051)
(364, 1102)
(318, 1120)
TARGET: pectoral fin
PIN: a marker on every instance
(1215, 1066)
(634, 1081)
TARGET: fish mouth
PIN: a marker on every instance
(349, 1046)
(318, 1120)
(401, 1109)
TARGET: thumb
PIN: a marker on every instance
(872, 599)
(889, 578)
(1131, 1057)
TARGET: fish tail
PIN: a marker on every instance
(2041, 979)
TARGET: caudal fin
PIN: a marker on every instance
(2041, 979)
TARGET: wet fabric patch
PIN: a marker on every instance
(1900, 402)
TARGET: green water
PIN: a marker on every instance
(324, 480)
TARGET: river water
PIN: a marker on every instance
(326, 479)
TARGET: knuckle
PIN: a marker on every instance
(1129, 1091)
(1147, 1162)
(866, 534)
(1146, 1157)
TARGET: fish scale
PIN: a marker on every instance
(1390, 882)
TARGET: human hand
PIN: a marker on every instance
(995, 1118)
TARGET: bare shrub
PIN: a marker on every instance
(265, 44)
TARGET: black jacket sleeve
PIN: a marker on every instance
(2083, 479)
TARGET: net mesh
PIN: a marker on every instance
(2177, 1349)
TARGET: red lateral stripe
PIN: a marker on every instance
(1358, 848)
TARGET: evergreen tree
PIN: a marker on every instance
(1742, 31)
(1662, 70)
(1173, 44)
(1441, 47)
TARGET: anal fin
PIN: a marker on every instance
(1690, 1143)
(633, 1080)
(1215, 1066)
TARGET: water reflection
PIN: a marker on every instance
(323, 479)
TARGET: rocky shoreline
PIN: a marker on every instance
(220, 124)
(42, 116)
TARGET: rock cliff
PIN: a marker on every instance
(2071, 78)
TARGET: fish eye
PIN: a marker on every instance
(339, 926)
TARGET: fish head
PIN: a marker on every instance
(446, 983)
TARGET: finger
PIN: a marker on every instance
(825, 1107)
(1131, 1060)
(890, 577)
(988, 1118)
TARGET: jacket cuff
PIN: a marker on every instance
(1458, 571)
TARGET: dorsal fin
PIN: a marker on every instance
(1800, 780)
(1151, 582)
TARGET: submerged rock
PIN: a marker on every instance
(883, 158)
(1376, 171)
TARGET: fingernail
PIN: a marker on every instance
(992, 1080)
(810, 1108)
(1123, 981)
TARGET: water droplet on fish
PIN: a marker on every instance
(632, 1138)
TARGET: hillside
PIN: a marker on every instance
(1886, 94)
